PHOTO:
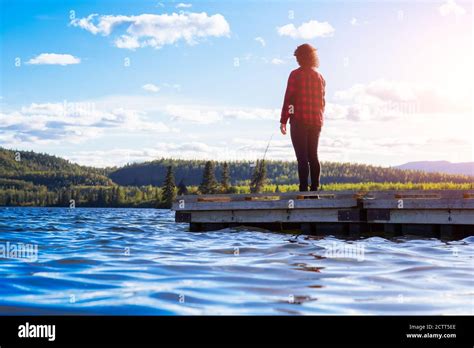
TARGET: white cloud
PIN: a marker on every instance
(278, 61)
(260, 40)
(335, 111)
(205, 114)
(149, 87)
(54, 59)
(183, 5)
(251, 114)
(308, 30)
(450, 7)
(354, 21)
(382, 99)
(151, 30)
(179, 149)
(128, 42)
(71, 122)
(378, 90)
(193, 114)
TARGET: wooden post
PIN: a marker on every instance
(195, 227)
(446, 232)
(306, 228)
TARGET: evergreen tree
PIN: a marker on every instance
(120, 196)
(258, 177)
(209, 183)
(101, 198)
(113, 197)
(225, 179)
(182, 189)
(91, 201)
(77, 196)
(157, 196)
(169, 188)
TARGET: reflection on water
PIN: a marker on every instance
(138, 261)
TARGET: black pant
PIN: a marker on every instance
(305, 139)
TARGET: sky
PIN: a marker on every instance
(105, 83)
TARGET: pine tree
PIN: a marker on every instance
(91, 199)
(169, 188)
(120, 196)
(101, 198)
(77, 196)
(113, 197)
(258, 177)
(182, 189)
(157, 196)
(225, 179)
(209, 183)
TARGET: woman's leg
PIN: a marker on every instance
(314, 165)
(299, 140)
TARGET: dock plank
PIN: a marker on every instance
(436, 217)
(268, 216)
(270, 204)
(393, 211)
(425, 204)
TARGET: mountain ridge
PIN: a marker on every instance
(56, 172)
(442, 166)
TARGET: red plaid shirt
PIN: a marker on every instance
(304, 98)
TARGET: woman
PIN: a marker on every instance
(304, 107)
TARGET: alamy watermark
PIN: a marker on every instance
(19, 251)
(345, 251)
(77, 108)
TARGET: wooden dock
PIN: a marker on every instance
(447, 214)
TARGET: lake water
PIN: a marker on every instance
(139, 262)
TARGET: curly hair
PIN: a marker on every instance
(307, 56)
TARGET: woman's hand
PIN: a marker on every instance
(283, 128)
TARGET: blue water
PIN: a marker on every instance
(139, 262)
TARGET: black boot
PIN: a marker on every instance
(303, 188)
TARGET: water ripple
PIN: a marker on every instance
(138, 261)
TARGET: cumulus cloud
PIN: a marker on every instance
(260, 40)
(382, 99)
(205, 114)
(339, 147)
(54, 59)
(70, 122)
(193, 114)
(307, 30)
(183, 5)
(335, 111)
(149, 87)
(151, 30)
(231, 150)
(121, 156)
(277, 61)
(451, 7)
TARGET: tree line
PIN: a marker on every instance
(32, 179)
(277, 172)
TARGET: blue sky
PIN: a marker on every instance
(147, 79)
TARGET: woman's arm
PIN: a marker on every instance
(288, 104)
(323, 93)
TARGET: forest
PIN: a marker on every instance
(28, 178)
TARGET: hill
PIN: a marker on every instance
(462, 168)
(35, 179)
(28, 167)
(278, 172)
